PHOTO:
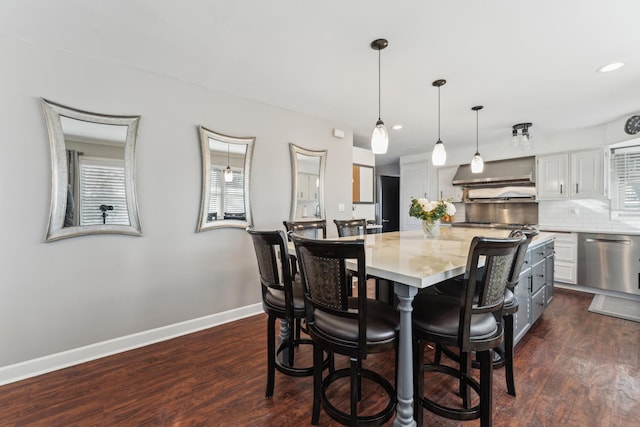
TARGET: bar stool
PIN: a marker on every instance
(281, 299)
(351, 326)
(504, 353)
(468, 323)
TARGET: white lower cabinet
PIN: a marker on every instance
(566, 262)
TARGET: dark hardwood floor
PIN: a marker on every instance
(573, 368)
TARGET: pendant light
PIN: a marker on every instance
(228, 174)
(380, 136)
(477, 164)
(439, 155)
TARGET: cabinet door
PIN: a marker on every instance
(588, 175)
(549, 286)
(523, 315)
(552, 176)
(566, 257)
(413, 184)
(446, 190)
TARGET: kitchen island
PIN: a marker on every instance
(412, 262)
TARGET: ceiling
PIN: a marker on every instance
(523, 61)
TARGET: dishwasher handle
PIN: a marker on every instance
(621, 242)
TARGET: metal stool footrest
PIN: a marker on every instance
(345, 418)
(447, 412)
(292, 370)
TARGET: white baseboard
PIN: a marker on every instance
(42, 365)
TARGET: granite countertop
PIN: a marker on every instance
(408, 257)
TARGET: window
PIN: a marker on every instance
(625, 179)
(102, 192)
(226, 198)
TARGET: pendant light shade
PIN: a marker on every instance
(228, 173)
(379, 136)
(439, 154)
(477, 164)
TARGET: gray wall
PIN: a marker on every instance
(63, 295)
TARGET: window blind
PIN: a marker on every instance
(226, 197)
(625, 169)
(102, 183)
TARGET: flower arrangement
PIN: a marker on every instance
(432, 210)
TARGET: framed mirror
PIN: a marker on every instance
(363, 184)
(226, 174)
(92, 173)
(307, 177)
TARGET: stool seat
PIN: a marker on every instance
(441, 316)
(382, 324)
(275, 298)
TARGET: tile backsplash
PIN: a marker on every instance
(583, 215)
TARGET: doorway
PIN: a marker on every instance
(390, 203)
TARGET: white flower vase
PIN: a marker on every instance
(431, 228)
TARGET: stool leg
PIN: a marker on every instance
(508, 354)
(271, 354)
(486, 388)
(298, 328)
(355, 389)
(438, 355)
(359, 372)
(465, 367)
(418, 380)
(317, 383)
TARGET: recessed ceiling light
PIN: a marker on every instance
(610, 67)
(396, 127)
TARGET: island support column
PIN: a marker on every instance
(404, 386)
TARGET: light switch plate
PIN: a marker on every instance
(340, 207)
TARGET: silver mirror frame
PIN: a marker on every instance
(56, 229)
(205, 134)
(295, 150)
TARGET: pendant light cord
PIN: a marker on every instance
(228, 155)
(379, 87)
(438, 113)
(477, 131)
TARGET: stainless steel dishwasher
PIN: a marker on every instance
(609, 261)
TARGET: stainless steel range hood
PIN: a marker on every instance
(499, 173)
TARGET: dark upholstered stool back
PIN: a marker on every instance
(351, 227)
(316, 229)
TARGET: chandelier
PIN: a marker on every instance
(520, 136)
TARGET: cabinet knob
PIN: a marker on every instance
(560, 188)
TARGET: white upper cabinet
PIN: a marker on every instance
(588, 175)
(579, 174)
(446, 190)
(552, 176)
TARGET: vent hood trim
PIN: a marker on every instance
(518, 171)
